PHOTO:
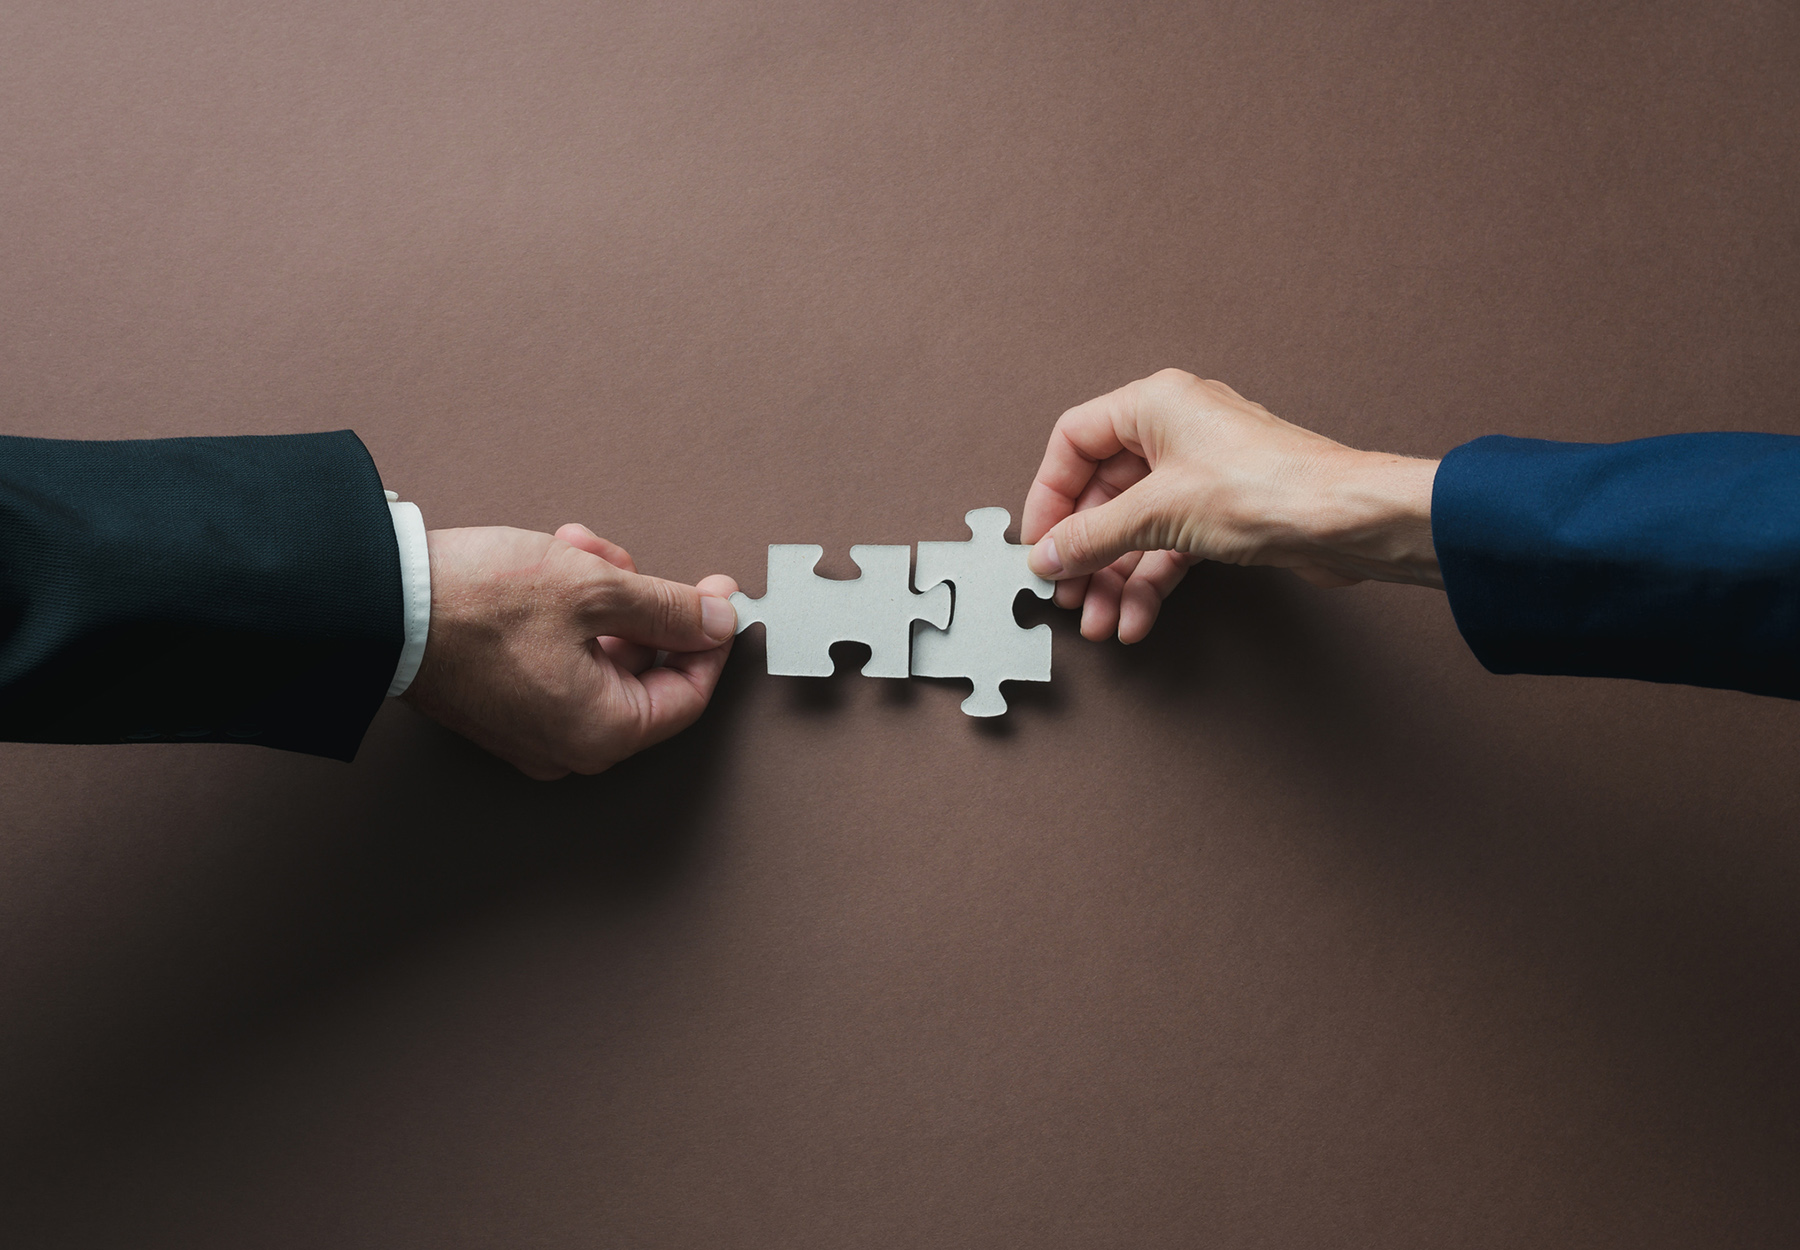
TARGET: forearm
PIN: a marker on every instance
(1360, 516)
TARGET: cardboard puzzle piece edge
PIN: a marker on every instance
(984, 642)
(805, 613)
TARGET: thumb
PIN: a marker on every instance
(1087, 541)
(669, 616)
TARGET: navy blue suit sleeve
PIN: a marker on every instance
(196, 589)
(1671, 559)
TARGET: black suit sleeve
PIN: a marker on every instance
(1667, 559)
(197, 590)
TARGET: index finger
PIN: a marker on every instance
(579, 535)
(1084, 437)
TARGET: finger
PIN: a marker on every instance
(665, 615)
(1113, 477)
(681, 688)
(1100, 609)
(1084, 436)
(1093, 538)
(1155, 577)
(674, 694)
(585, 539)
(629, 656)
(1071, 593)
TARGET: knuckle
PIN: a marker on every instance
(1077, 541)
(666, 608)
(677, 611)
(602, 590)
(1167, 385)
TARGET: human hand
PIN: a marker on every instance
(542, 648)
(1140, 483)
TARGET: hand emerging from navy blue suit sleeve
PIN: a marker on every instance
(1670, 559)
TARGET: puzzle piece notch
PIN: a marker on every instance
(984, 641)
(805, 613)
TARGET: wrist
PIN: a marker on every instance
(1371, 518)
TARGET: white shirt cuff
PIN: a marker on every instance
(415, 589)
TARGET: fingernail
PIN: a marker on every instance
(717, 617)
(1044, 560)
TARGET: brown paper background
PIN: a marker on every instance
(1289, 928)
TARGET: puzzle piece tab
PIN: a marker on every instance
(806, 613)
(984, 642)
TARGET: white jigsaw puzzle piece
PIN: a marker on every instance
(984, 641)
(806, 613)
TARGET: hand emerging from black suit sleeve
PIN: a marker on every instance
(543, 648)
